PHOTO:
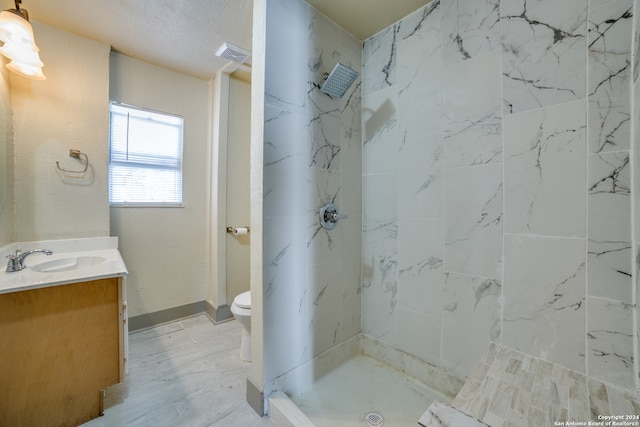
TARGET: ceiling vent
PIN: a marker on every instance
(233, 53)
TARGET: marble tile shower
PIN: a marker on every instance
(497, 191)
(485, 160)
(312, 156)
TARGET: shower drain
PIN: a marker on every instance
(374, 419)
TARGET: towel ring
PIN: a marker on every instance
(76, 154)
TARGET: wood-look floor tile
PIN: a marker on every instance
(185, 373)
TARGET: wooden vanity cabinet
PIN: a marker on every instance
(59, 347)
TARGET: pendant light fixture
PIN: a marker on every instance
(19, 45)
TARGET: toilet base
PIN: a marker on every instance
(245, 346)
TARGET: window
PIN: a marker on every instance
(145, 157)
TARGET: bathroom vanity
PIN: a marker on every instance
(62, 333)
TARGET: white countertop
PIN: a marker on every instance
(103, 247)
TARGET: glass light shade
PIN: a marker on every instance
(26, 70)
(14, 28)
(25, 53)
(17, 35)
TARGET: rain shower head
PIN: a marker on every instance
(340, 79)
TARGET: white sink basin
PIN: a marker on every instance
(66, 264)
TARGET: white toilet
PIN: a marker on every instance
(241, 309)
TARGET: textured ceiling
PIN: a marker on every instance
(184, 35)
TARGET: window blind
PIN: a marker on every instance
(145, 157)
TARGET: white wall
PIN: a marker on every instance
(68, 110)
(6, 157)
(165, 249)
(238, 256)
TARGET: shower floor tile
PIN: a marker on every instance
(343, 397)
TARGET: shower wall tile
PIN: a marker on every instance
(351, 230)
(419, 335)
(473, 111)
(636, 158)
(421, 179)
(324, 130)
(473, 212)
(543, 53)
(636, 41)
(420, 265)
(326, 42)
(312, 155)
(380, 257)
(351, 115)
(544, 298)
(381, 139)
(637, 301)
(332, 122)
(351, 179)
(469, 28)
(283, 129)
(379, 298)
(281, 355)
(284, 271)
(610, 270)
(419, 62)
(421, 24)
(609, 244)
(291, 90)
(471, 318)
(324, 306)
(541, 147)
(609, 76)
(379, 60)
(350, 318)
(610, 341)
(285, 171)
(380, 220)
(323, 186)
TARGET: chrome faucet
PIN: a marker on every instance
(16, 262)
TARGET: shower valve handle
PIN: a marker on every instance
(329, 216)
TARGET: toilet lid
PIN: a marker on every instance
(243, 300)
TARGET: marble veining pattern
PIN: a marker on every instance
(609, 75)
(379, 60)
(312, 155)
(540, 147)
(469, 28)
(420, 265)
(543, 53)
(544, 298)
(473, 208)
(380, 255)
(324, 130)
(441, 415)
(471, 318)
(610, 342)
(609, 244)
(421, 182)
(291, 92)
(636, 42)
(419, 62)
(323, 187)
(473, 112)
